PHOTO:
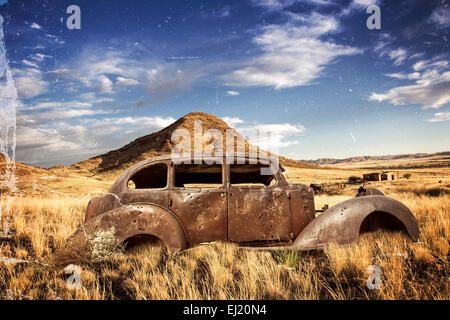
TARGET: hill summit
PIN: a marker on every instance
(159, 143)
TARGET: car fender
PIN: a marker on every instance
(342, 223)
(140, 219)
(100, 204)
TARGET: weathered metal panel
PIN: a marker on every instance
(203, 213)
(302, 208)
(160, 197)
(258, 213)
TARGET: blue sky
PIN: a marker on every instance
(310, 72)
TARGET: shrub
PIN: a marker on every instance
(88, 250)
(407, 175)
(436, 192)
(105, 245)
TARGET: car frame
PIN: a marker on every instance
(269, 215)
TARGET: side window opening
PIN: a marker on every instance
(151, 177)
(249, 175)
(198, 176)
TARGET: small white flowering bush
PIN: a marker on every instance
(105, 245)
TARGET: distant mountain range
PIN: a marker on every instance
(333, 161)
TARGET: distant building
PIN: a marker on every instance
(383, 176)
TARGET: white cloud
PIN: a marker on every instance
(150, 122)
(232, 121)
(71, 113)
(224, 12)
(383, 44)
(63, 139)
(91, 67)
(293, 54)
(34, 25)
(384, 39)
(41, 57)
(140, 125)
(364, 3)
(358, 5)
(48, 111)
(232, 93)
(441, 17)
(278, 5)
(440, 116)
(28, 138)
(93, 99)
(105, 84)
(403, 76)
(427, 64)
(55, 39)
(431, 88)
(29, 82)
(166, 81)
(58, 115)
(416, 55)
(30, 64)
(120, 81)
(270, 137)
(95, 69)
(60, 144)
(55, 105)
(269, 4)
(398, 55)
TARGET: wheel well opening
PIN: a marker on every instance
(142, 240)
(381, 221)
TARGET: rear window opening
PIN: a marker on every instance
(242, 175)
(198, 176)
(151, 177)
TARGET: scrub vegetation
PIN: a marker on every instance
(34, 257)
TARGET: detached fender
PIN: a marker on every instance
(343, 222)
(140, 219)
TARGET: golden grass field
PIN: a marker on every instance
(51, 205)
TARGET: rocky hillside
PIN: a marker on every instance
(159, 143)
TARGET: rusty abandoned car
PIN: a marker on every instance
(188, 204)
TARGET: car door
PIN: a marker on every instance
(198, 198)
(258, 206)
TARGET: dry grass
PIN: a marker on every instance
(40, 226)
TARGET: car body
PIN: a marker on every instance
(191, 201)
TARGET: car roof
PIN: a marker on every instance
(129, 171)
(166, 157)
